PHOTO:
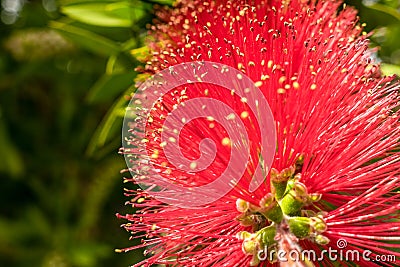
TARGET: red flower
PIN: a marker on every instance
(335, 171)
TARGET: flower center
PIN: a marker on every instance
(283, 212)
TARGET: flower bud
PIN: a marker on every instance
(249, 246)
(267, 235)
(300, 226)
(318, 224)
(274, 213)
(279, 180)
(242, 235)
(242, 205)
(290, 205)
(322, 240)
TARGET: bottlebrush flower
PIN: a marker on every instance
(335, 173)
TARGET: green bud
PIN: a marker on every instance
(318, 224)
(278, 185)
(291, 183)
(322, 240)
(274, 174)
(242, 235)
(274, 214)
(279, 181)
(270, 208)
(242, 205)
(294, 199)
(301, 189)
(267, 235)
(290, 205)
(300, 226)
(267, 200)
(249, 246)
(287, 173)
(251, 242)
(278, 189)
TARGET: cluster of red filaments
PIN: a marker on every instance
(335, 173)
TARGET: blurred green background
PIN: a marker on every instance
(66, 67)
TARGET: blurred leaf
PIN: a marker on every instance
(386, 9)
(118, 64)
(118, 14)
(88, 253)
(87, 39)
(162, 2)
(109, 86)
(388, 39)
(11, 161)
(103, 180)
(390, 69)
(129, 44)
(102, 133)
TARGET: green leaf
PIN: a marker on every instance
(390, 69)
(392, 12)
(11, 161)
(87, 39)
(102, 183)
(88, 254)
(111, 122)
(109, 86)
(117, 14)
